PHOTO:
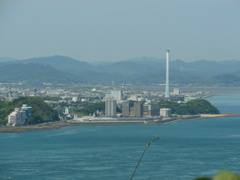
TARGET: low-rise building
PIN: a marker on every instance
(165, 112)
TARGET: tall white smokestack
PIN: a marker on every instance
(167, 93)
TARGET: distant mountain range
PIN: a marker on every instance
(35, 73)
(62, 69)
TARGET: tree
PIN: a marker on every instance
(41, 111)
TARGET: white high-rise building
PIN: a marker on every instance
(116, 94)
(17, 117)
(167, 92)
(110, 107)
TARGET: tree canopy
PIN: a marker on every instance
(197, 106)
(41, 111)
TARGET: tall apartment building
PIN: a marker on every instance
(138, 109)
(110, 107)
(153, 109)
(17, 117)
(126, 109)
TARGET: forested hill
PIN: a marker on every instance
(197, 106)
(41, 112)
(62, 69)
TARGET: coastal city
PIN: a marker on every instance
(106, 104)
(119, 103)
(116, 90)
(101, 104)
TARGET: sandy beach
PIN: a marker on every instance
(219, 115)
(57, 125)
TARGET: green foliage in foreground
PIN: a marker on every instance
(223, 175)
(197, 106)
(41, 111)
(147, 146)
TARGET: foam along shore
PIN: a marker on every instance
(57, 125)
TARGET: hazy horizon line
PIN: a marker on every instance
(126, 59)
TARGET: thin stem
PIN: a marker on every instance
(148, 144)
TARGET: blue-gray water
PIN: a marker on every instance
(184, 150)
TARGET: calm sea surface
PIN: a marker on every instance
(184, 150)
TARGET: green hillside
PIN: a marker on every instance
(35, 73)
(197, 106)
(41, 112)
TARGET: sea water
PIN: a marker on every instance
(184, 150)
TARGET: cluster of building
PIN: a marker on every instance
(139, 109)
(131, 107)
(19, 115)
(135, 103)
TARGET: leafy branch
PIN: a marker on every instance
(148, 144)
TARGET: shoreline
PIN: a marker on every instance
(58, 125)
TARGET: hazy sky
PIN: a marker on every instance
(112, 30)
